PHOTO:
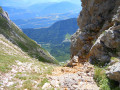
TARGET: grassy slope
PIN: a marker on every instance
(13, 33)
(9, 56)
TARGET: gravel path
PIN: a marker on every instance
(77, 78)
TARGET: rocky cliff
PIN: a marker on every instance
(98, 36)
(15, 35)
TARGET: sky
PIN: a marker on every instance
(23, 3)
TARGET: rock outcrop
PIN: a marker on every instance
(114, 72)
(99, 33)
(106, 46)
(98, 36)
(73, 62)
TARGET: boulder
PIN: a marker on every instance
(105, 47)
(107, 44)
(73, 61)
(113, 72)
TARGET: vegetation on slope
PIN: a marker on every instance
(60, 51)
(52, 38)
(14, 34)
(54, 34)
(18, 70)
(102, 81)
(1, 9)
(67, 36)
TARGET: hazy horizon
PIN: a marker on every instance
(26, 3)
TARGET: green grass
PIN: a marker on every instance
(8, 60)
(115, 59)
(8, 57)
(67, 36)
(12, 87)
(5, 61)
(28, 85)
(60, 51)
(33, 76)
(27, 77)
(45, 80)
(102, 81)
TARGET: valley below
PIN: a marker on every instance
(56, 38)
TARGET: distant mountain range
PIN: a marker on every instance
(42, 21)
(56, 38)
(42, 15)
(55, 34)
(42, 10)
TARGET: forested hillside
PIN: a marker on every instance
(56, 38)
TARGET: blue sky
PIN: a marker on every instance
(23, 3)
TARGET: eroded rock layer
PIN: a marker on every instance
(98, 36)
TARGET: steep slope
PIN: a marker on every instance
(55, 34)
(17, 37)
(18, 70)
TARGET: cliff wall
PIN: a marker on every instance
(98, 19)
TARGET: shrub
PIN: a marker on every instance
(102, 81)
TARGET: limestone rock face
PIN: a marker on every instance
(106, 46)
(114, 72)
(97, 17)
